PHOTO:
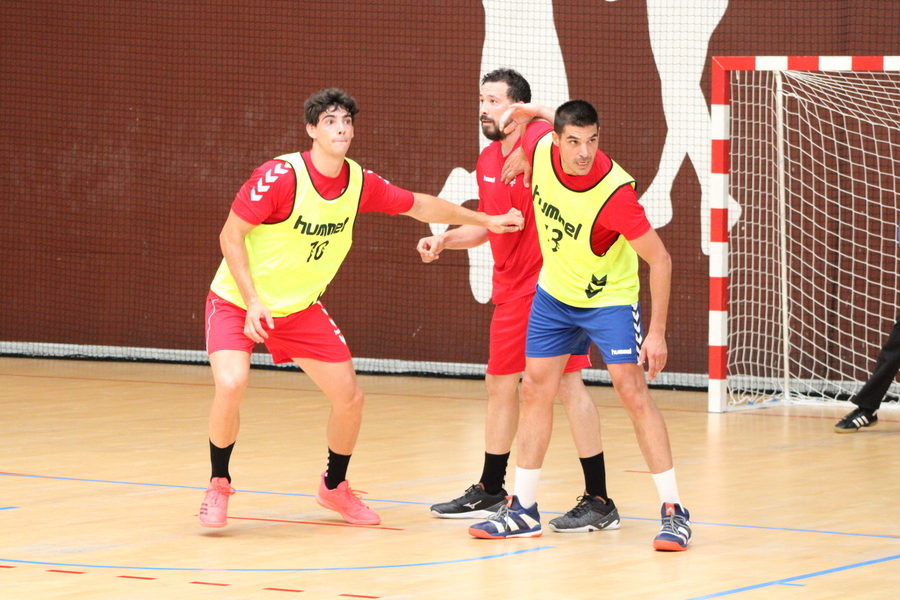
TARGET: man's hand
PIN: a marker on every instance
(518, 114)
(430, 247)
(516, 163)
(511, 221)
(654, 354)
(253, 327)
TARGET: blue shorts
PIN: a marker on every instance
(555, 329)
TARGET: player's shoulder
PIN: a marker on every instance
(538, 128)
(371, 176)
(272, 169)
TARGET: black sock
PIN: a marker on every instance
(494, 473)
(594, 469)
(219, 458)
(336, 472)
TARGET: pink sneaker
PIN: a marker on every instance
(346, 502)
(214, 510)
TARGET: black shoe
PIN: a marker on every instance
(474, 504)
(590, 514)
(858, 417)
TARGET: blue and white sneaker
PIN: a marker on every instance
(510, 521)
(675, 533)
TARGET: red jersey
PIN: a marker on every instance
(517, 256)
(268, 196)
(621, 215)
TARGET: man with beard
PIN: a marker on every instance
(517, 262)
(592, 232)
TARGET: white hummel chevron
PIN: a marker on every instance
(254, 197)
(269, 177)
(280, 169)
(261, 187)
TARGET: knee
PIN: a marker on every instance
(231, 384)
(351, 403)
(535, 391)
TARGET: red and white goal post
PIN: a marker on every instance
(803, 253)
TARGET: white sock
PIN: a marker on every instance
(526, 486)
(667, 487)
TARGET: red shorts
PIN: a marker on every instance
(309, 333)
(509, 328)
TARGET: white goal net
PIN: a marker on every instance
(813, 260)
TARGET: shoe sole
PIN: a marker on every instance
(213, 525)
(475, 514)
(348, 518)
(668, 546)
(586, 528)
(484, 535)
(853, 429)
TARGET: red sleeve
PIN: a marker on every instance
(379, 195)
(534, 132)
(268, 196)
(624, 214)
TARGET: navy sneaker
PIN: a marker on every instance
(511, 521)
(855, 419)
(675, 533)
(476, 503)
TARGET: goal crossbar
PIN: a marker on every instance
(725, 72)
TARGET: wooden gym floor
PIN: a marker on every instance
(104, 466)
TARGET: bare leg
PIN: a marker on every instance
(649, 425)
(582, 412)
(539, 388)
(338, 382)
(231, 373)
(502, 412)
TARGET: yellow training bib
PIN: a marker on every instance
(292, 262)
(572, 273)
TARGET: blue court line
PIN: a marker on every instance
(292, 494)
(424, 564)
(790, 580)
(8, 507)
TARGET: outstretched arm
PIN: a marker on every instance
(431, 209)
(461, 238)
(654, 351)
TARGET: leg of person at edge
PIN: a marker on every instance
(868, 399)
(592, 230)
(296, 214)
(517, 262)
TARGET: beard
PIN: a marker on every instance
(491, 130)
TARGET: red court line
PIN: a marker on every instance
(6, 567)
(280, 590)
(210, 583)
(61, 571)
(355, 596)
(134, 577)
(316, 523)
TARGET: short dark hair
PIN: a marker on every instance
(519, 90)
(322, 100)
(578, 113)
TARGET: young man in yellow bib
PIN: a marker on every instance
(591, 230)
(289, 229)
